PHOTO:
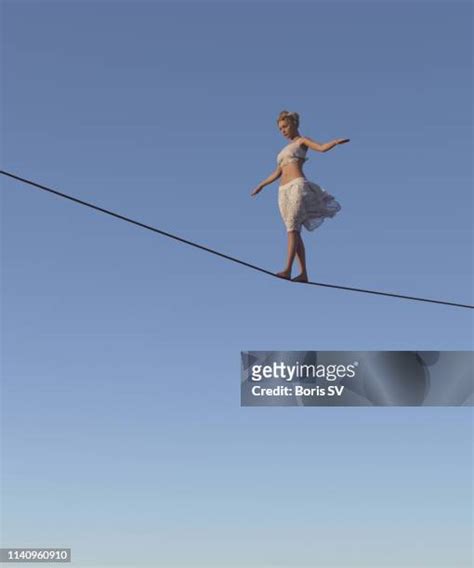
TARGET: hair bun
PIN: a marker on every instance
(294, 117)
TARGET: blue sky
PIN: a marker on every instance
(122, 430)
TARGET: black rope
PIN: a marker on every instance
(149, 227)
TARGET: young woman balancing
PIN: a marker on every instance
(301, 201)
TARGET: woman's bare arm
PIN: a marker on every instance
(322, 147)
(270, 179)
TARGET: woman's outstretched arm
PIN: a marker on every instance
(322, 147)
(270, 179)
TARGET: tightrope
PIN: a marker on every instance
(231, 258)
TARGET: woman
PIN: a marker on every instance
(301, 202)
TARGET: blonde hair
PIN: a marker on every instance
(292, 117)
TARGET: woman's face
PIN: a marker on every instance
(286, 128)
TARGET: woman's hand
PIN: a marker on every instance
(342, 140)
(258, 189)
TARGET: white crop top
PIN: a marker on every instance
(292, 153)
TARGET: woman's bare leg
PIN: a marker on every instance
(301, 256)
(292, 241)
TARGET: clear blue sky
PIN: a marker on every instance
(122, 430)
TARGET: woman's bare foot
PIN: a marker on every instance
(303, 277)
(285, 274)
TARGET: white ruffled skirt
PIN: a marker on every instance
(303, 202)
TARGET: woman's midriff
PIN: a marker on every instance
(291, 171)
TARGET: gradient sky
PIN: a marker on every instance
(123, 436)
